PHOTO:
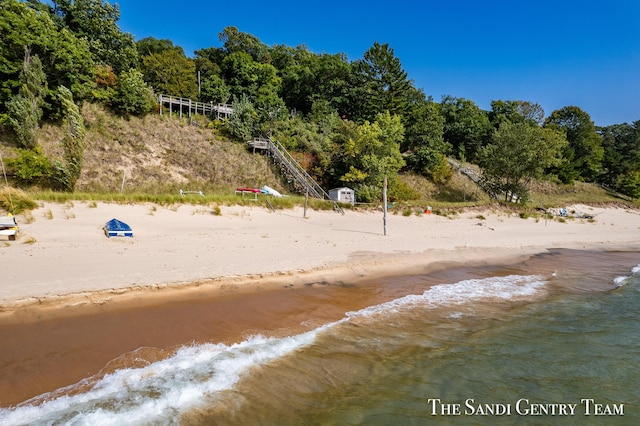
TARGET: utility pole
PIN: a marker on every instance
(384, 204)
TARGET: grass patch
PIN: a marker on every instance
(16, 201)
(29, 240)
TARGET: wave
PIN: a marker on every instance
(164, 390)
(623, 280)
(161, 390)
(507, 287)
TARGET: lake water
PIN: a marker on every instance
(554, 340)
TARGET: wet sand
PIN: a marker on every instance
(42, 356)
(48, 351)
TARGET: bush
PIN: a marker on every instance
(132, 95)
(31, 166)
(400, 191)
(629, 184)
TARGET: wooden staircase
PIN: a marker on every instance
(301, 180)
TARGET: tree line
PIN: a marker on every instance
(350, 123)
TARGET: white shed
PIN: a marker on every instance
(343, 195)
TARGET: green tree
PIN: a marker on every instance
(466, 128)
(97, 21)
(65, 58)
(621, 161)
(531, 111)
(584, 153)
(243, 121)
(307, 78)
(629, 184)
(518, 153)
(425, 141)
(379, 84)
(106, 81)
(150, 45)
(73, 143)
(236, 41)
(515, 112)
(365, 153)
(214, 89)
(256, 81)
(132, 95)
(24, 109)
(172, 73)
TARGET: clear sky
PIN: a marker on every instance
(553, 52)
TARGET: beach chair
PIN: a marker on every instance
(9, 226)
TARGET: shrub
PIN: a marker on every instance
(31, 166)
(132, 95)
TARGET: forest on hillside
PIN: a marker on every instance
(351, 123)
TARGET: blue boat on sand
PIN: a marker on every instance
(117, 228)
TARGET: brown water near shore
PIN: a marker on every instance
(42, 356)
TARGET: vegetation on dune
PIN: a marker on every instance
(16, 201)
(78, 113)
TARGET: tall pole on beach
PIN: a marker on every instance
(306, 201)
(384, 204)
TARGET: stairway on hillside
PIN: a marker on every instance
(302, 181)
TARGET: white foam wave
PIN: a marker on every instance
(508, 287)
(159, 391)
(621, 281)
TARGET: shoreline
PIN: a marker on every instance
(47, 350)
(62, 261)
(34, 309)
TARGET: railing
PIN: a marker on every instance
(218, 110)
(294, 169)
(281, 155)
(477, 179)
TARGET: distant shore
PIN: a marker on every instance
(62, 259)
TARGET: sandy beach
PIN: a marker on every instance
(63, 258)
(73, 302)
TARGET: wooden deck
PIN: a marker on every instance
(187, 106)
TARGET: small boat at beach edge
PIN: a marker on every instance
(117, 228)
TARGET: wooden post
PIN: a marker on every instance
(306, 200)
(384, 206)
(122, 186)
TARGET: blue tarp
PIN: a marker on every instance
(117, 228)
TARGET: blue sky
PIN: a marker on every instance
(553, 52)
